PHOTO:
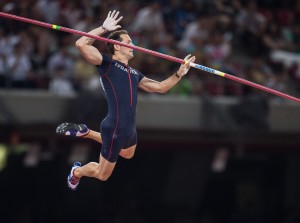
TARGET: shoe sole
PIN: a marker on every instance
(65, 127)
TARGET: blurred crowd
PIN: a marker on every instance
(238, 37)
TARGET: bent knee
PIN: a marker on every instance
(127, 154)
(102, 175)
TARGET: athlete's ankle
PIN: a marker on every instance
(75, 175)
(86, 135)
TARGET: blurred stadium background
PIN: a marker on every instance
(209, 151)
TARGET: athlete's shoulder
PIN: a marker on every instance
(105, 64)
(106, 58)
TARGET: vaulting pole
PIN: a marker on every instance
(151, 52)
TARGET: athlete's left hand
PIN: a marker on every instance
(184, 68)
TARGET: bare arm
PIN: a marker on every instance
(150, 85)
(164, 86)
(84, 44)
(89, 52)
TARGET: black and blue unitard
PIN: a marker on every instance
(120, 84)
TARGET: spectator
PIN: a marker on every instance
(2, 71)
(217, 49)
(197, 30)
(152, 13)
(250, 24)
(60, 84)
(7, 43)
(50, 9)
(278, 79)
(72, 12)
(84, 73)
(273, 38)
(295, 39)
(19, 65)
(62, 58)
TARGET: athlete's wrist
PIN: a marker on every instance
(178, 75)
(105, 30)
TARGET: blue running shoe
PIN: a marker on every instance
(71, 129)
(73, 181)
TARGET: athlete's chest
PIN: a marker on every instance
(121, 72)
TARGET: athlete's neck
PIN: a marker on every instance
(120, 59)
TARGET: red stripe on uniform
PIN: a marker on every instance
(117, 113)
(130, 84)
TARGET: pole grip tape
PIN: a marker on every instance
(55, 27)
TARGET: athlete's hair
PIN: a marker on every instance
(115, 36)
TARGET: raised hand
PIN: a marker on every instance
(112, 20)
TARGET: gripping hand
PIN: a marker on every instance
(184, 68)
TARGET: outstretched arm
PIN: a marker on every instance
(150, 85)
(84, 44)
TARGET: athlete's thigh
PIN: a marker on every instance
(129, 146)
(128, 152)
(112, 141)
(130, 141)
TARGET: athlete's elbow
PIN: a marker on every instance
(158, 89)
(163, 90)
(79, 44)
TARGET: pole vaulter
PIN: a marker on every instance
(157, 54)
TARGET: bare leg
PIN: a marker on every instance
(101, 170)
(104, 168)
(125, 153)
(128, 153)
(94, 136)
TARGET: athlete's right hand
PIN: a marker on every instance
(112, 20)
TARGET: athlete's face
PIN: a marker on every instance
(125, 50)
